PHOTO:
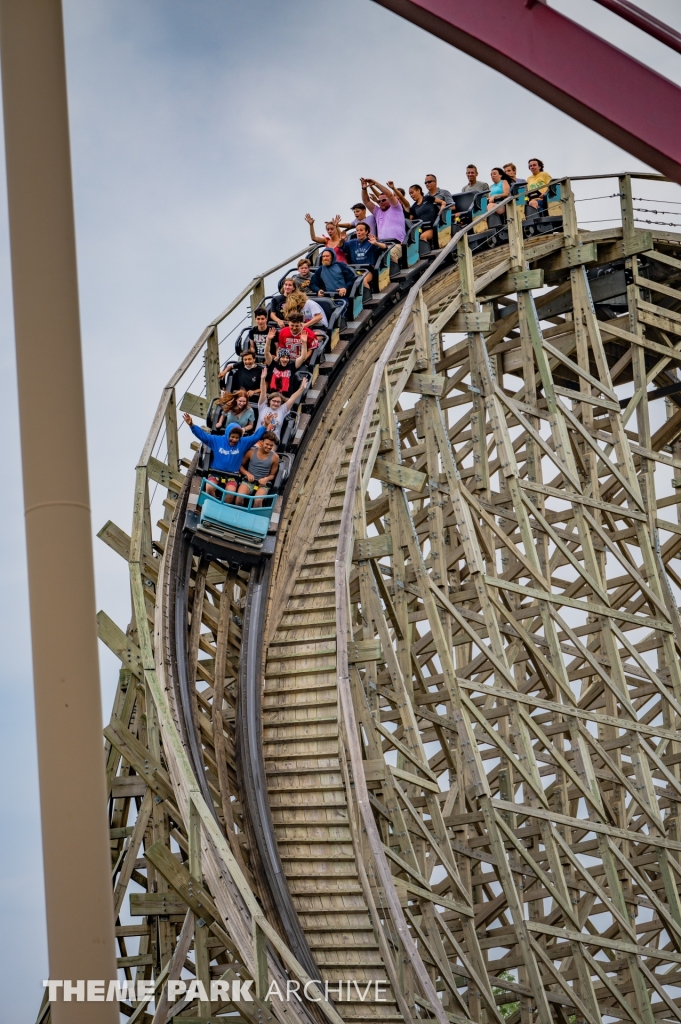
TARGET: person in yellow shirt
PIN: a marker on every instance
(537, 183)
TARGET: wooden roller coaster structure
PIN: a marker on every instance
(426, 760)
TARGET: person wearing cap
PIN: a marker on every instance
(227, 452)
(362, 216)
(282, 374)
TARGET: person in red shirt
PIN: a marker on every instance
(295, 334)
(282, 376)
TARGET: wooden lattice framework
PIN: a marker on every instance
(471, 674)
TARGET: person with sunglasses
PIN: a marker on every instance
(388, 213)
(439, 195)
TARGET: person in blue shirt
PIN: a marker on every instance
(227, 454)
(331, 275)
(363, 250)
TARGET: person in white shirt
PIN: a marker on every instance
(273, 411)
(314, 314)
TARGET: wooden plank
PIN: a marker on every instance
(515, 281)
(426, 383)
(162, 474)
(127, 786)
(401, 476)
(118, 540)
(464, 322)
(372, 547)
(602, 942)
(571, 256)
(581, 499)
(639, 241)
(414, 780)
(195, 405)
(191, 892)
(579, 396)
(119, 644)
(588, 608)
(364, 650)
(588, 825)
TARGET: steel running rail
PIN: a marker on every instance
(234, 897)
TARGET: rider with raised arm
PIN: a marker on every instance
(227, 452)
(273, 411)
(335, 237)
(388, 213)
(281, 372)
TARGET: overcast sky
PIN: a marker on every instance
(202, 131)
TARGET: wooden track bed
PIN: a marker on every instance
(300, 698)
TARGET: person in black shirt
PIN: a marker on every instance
(288, 288)
(246, 375)
(423, 208)
(261, 337)
(282, 374)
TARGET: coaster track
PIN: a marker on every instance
(405, 750)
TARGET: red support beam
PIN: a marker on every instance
(569, 67)
(646, 22)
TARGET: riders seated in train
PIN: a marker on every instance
(272, 409)
(440, 196)
(313, 314)
(363, 250)
(281, 372)
(335, 237)
(538, 182)
(424, 208)
(512, 172)
(499, 189)
(234, 407)
(261, 336)
(331, 275)
(473, 185)
(246, 374)
(259, 468)
(388, 213)
(303, 278)
(296, 335)
(361, 216)
(288, 289)
(227, 453)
